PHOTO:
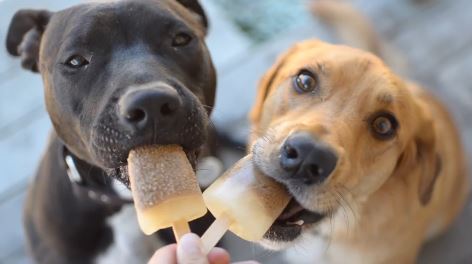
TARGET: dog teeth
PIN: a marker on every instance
(299, 222)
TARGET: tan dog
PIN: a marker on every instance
(374, 163)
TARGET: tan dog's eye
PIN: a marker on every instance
(384, 126)
(305, 82)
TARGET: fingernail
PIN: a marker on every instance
(191, 244)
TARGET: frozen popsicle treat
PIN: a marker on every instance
(245, 201)
(165, 189)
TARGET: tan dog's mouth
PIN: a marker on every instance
(291, 222)
(295, 218)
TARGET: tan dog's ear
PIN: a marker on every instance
(420, 155)
(267, 81)
(264, 87)
(428, 160)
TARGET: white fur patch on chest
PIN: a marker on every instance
(310, 249)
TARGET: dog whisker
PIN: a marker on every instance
(269, 133)
(343, 207)
(202, 169)
(207, 106)
(211, 124)
(301, 247)
(330, 217)
(353, 212)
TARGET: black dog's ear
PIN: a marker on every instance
(195, 7)
(24, 36)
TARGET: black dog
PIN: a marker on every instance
(117, 75)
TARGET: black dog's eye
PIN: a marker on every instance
(76, 62)
(181, 39)
(305, 82)
(384, 126)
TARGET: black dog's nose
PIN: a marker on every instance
(143, 108)
(307, 159)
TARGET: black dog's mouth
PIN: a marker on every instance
(121, 172)
(291, 222)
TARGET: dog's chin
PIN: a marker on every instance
(294, 220)
(290, 225)
(118, 168)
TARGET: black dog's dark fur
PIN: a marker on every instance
(97, 60)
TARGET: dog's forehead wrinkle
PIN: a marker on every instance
(136, 66)
(134, 55)
(99, 21)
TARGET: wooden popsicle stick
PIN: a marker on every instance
(214, 233)
(180, 228)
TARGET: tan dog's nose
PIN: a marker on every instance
(306, 159)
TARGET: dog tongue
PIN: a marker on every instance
(294, 213)
(290, 211)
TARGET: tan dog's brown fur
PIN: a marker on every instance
(386, 197)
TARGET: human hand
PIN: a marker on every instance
(190, 251)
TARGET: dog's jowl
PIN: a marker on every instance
(117, 75)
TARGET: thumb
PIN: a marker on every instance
(190, 250)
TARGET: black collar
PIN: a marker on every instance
(105, 194)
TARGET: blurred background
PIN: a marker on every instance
(430, 39)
